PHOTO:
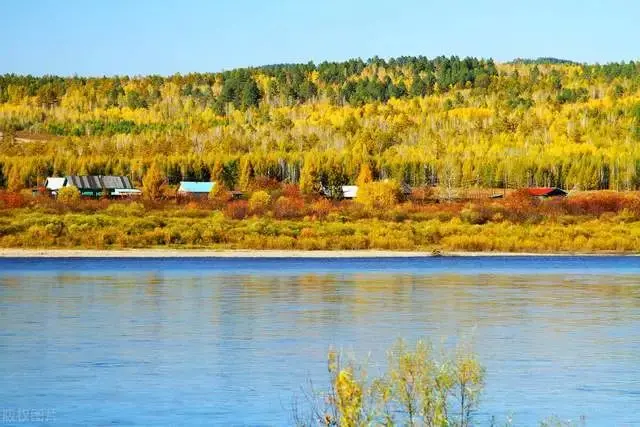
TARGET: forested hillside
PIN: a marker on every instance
(467, 122)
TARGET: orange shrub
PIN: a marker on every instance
(321, 208)
(12, 200)
(288, 207)
(596, 203)
(237, 209)
(291, 190)
(519, 205)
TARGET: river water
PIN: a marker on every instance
(233, 341)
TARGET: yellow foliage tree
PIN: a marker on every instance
(417, 389)
(14, 180)
(259, 202)
(349, 399)
(246, 174)
(218, 191)
(308, 175)
(379, 195)
(152, 183)
(365, 176)
(216, 172)
(470, 381)
(69, 194)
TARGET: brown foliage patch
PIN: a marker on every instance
(238, 209)
(288, 207)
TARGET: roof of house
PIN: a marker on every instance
(116, 182)
(54, 183)
(97, 183)
(195, 187)
(349, 191)
(85, 182)
(545, 191)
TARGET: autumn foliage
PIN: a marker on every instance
(287, 136)
(379, 195)
(420, 387)
(11, 200)
(582, 222)
(452, 123)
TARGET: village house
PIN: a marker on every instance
(546, 192)
(94, 185)
(97, 185)
(197, 190)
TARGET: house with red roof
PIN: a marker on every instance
(544, 192)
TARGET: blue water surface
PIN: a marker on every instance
(196, 341)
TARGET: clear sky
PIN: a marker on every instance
(106, 37)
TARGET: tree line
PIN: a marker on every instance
(461, 122)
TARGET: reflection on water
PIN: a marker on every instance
(174, 341)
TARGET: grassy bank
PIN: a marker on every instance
(540, 227)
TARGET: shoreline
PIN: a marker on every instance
(269, 253)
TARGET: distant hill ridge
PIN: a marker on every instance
(543, 60)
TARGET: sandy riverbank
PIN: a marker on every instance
(209, 253)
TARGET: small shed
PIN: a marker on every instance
(195, 189)
(544, 192)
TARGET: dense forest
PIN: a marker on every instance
(460, 122)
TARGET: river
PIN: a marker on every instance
(233, 341)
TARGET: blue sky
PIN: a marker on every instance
(106, 37)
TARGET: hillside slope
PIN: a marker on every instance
(465, 121)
